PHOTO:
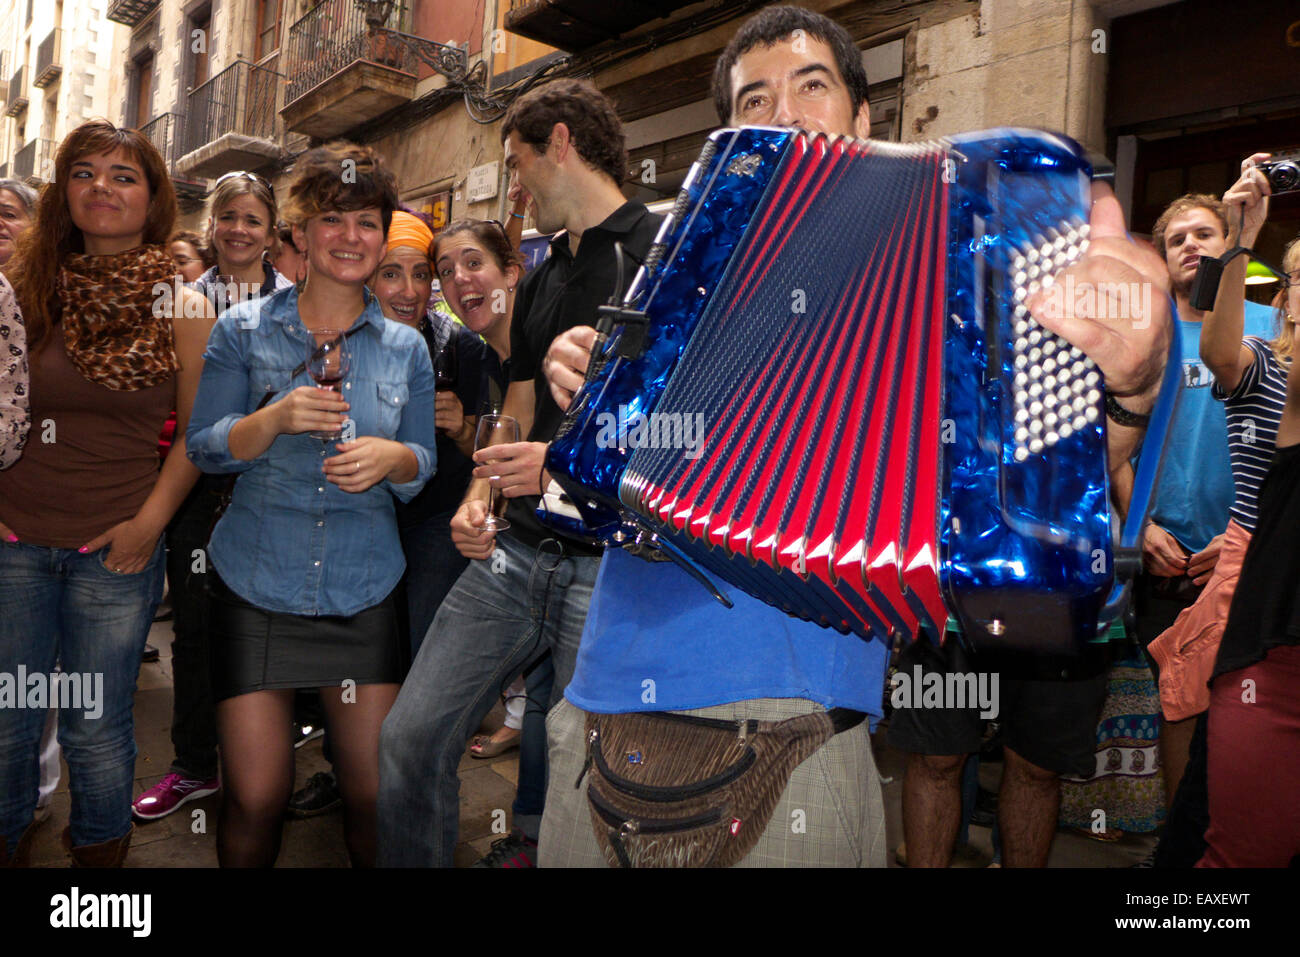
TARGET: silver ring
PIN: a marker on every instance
(358, 467)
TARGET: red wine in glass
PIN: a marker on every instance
(327, 363)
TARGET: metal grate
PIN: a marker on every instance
(17, 101)
(333, 36)
(49, 59)
(242, 98)
(130, 12)
(35, 162)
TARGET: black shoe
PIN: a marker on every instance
(164, 611)
(320, 796)
(514, 850)
(150, 653)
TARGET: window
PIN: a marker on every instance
(200, 25)
(141, 108)
(268, 28)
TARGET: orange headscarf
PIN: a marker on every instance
(409, 230)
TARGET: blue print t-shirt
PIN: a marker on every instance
(657, 640)
(1194, 489)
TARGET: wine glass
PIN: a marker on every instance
(327, 363)
(495, 429)
(446, 367)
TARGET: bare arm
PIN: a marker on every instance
(1221, 330)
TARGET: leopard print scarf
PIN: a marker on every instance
(110, 331)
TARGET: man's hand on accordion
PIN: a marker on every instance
(1111, 325)
(566, 361)
(1120, 314)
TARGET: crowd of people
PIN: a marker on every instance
(324, 529)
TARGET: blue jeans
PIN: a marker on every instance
(61, 606)
(491, 626)
(433, 566)
(530, 789)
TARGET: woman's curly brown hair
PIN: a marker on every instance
(339, 177)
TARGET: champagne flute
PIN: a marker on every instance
(495, 429)
(327, 363)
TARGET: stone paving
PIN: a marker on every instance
(187, 839)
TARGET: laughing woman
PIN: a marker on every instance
(403, 284)
(304, 563)
(83, 511)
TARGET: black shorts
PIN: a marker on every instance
(1048, 707)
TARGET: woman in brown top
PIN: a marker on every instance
(82, 512)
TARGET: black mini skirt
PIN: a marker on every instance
(258, 650)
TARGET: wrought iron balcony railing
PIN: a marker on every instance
(333, 36)
(17, 101)
(242, 99)
(130, 12)
(35, 162)
(164, 132)
(49, 59)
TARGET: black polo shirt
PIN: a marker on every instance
(563, 292)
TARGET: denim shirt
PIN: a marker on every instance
(292, 541)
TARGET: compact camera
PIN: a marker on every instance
(1283, 172)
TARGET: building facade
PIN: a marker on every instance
(224, 85)
(56, 69)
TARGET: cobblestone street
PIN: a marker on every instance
(184, 840)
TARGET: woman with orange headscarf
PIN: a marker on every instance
(403, 284)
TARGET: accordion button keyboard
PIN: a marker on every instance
(1055, 384)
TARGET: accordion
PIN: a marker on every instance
(823, 387)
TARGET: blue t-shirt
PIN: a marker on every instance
(1194, 488)
(657, 640)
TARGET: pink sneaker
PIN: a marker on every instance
(169, 794)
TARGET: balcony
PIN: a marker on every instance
(17, 101)
(49, 59)
(34, 163)
(130, 12)
(339, 76)
(164, 132)
(575, 25)
(232, 122)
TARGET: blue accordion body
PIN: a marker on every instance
(1014, 529)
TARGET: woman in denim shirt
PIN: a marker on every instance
(305, 560)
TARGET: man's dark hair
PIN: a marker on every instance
(594, 126)
(772, 25)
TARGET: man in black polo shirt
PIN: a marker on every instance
(527, 590)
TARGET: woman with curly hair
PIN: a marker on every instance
(304, 563)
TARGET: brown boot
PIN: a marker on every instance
(22, 856)
(108, 854)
